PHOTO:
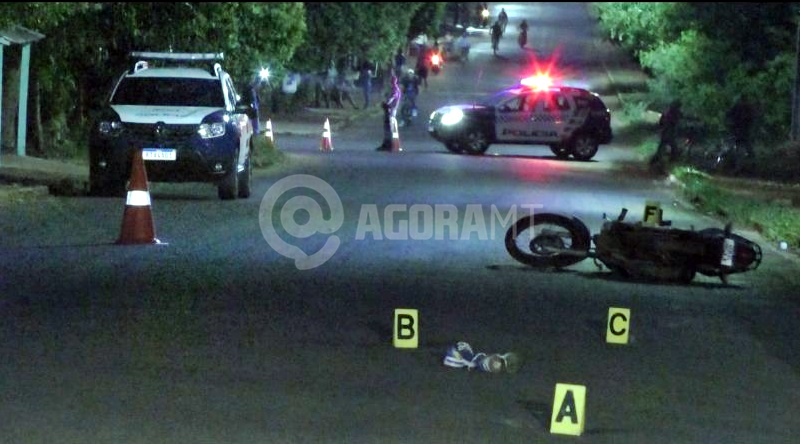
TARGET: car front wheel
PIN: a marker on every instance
(584, 147)
(228, 187)
(245, 178)
(475, 142)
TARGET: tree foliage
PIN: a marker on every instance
(710, 54)
(87, 44)
(366, 31)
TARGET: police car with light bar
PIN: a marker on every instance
(182, 110)
(571, 121)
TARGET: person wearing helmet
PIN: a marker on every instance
(410, 88)
(409, 85)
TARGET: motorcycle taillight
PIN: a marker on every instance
(747, 256)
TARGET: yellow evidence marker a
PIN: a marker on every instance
(406, 328)
(569, 404)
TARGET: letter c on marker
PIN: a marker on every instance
(611, 322)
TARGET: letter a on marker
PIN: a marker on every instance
(568, 409)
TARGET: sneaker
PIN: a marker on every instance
(460, 356)
(489, 363)
(512, 362)
(497, 363)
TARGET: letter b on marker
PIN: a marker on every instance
(406, 328)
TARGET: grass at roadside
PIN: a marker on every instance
(266, 153)
(776, 222)
(773, 211)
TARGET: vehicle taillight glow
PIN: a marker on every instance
(538, 82)
(543, 74)
(435, 59)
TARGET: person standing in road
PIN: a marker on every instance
(503, 19)
(668, 125)
(410, 89)
(496, 32)
(463, 47)
(390, 106)
(422, 66)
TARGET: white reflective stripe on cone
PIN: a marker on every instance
(138, 198)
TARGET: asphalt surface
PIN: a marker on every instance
(216, 337)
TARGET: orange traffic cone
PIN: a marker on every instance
(327, 144)
(395, 136)
(269, 135)
(137, 222)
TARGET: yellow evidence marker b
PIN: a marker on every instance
(569, 404)
(406, 328)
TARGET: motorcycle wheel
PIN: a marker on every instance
(548, 240)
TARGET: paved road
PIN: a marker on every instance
(217, 337)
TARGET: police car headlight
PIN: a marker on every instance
(109, 128)
(452, 116)
(210, 130)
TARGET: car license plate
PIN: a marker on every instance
(167, 154)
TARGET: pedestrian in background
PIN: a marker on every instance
(668, 126)
(502, 18)
(496, 31)
(365, 81)
(390, 106)
(410, 88)
(344, 89)
(399, 62)
(422, 66)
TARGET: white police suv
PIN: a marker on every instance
(571, 121)
(182, 110)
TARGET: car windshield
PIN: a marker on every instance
(499, 97)
(165, 91)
